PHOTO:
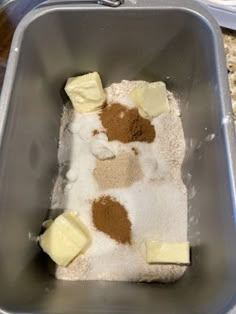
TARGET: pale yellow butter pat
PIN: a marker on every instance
(65, 238)
(151, 99)
(137, 95)
(167, 253)
(86, 92)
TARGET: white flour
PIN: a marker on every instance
(156, 205)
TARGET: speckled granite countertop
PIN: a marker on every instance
(230, 51)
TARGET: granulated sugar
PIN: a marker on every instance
(156, 202)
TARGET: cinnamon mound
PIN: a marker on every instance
(110, 217)
(126, 125)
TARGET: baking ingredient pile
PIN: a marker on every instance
(125, 205)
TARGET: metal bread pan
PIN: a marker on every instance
(174, 41)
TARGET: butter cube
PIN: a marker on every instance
(137, 94)
(151, 99)
(167, 253)
(65, 238)
(86, 92)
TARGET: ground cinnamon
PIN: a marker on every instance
(110, 217)
(95, 132)
(126, 125)
(135, 150)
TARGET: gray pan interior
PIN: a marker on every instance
(173, 41)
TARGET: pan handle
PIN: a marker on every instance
(109, 3)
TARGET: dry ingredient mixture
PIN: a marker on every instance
(122, 173)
